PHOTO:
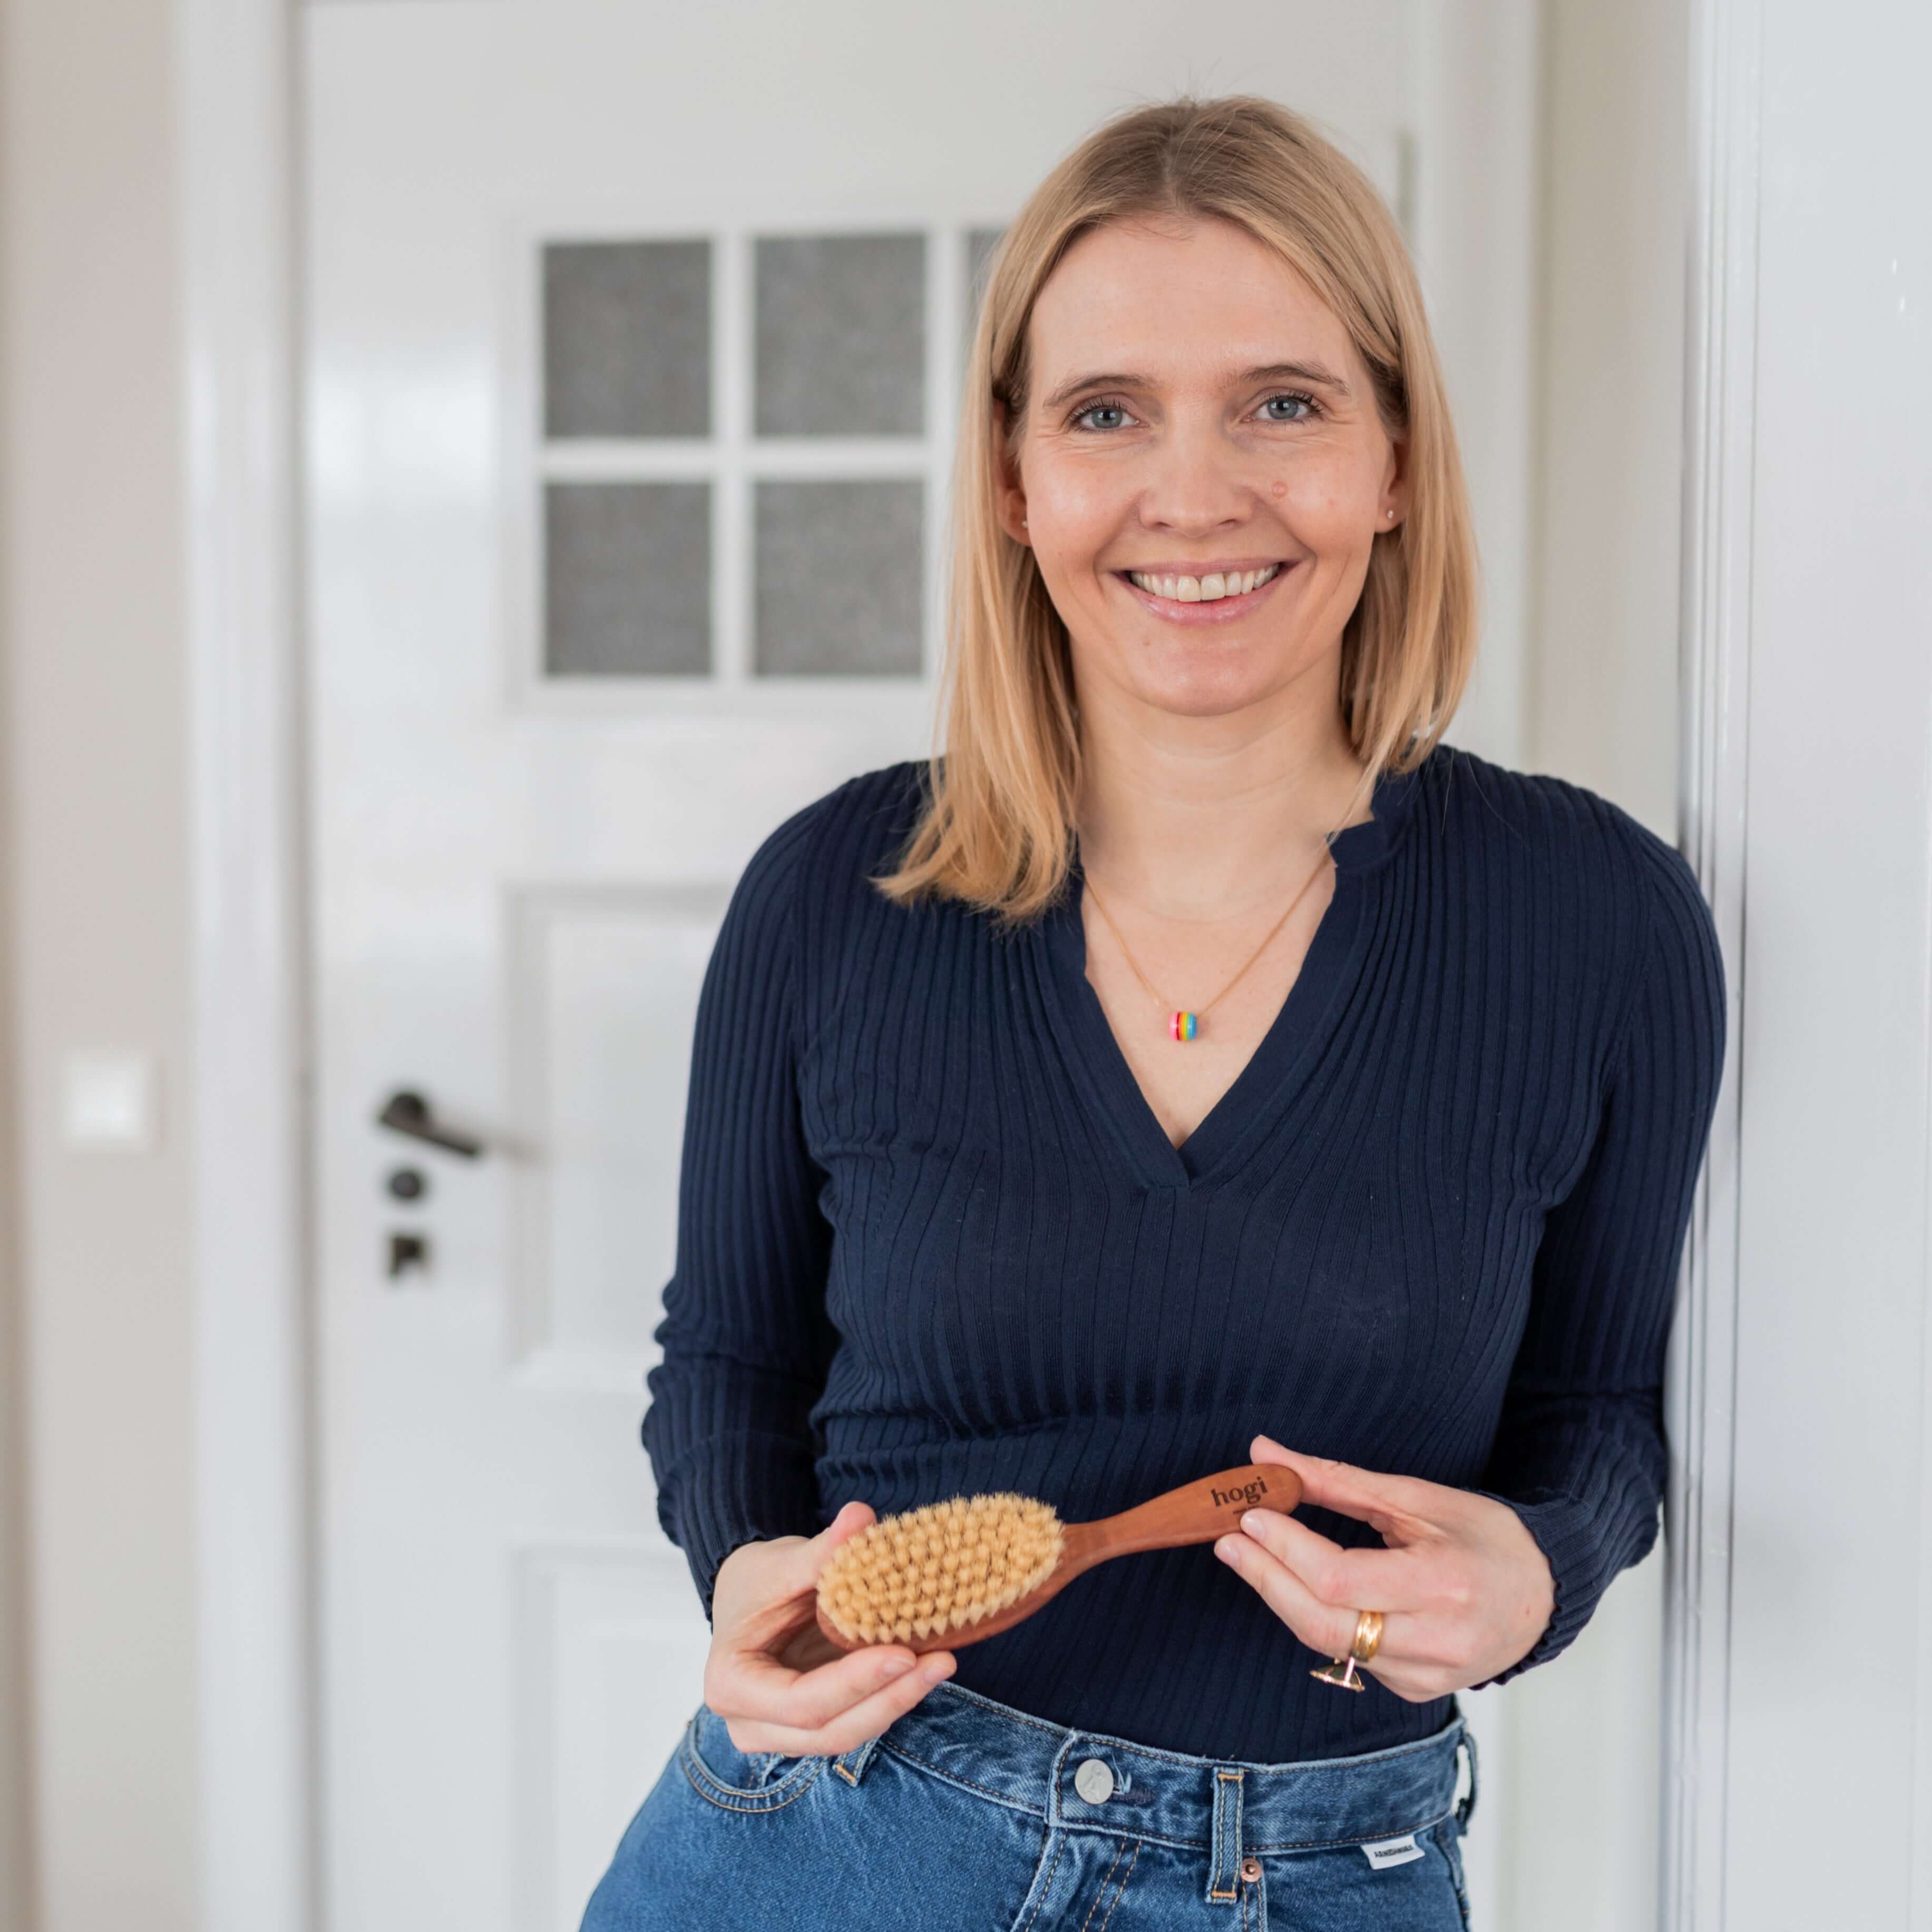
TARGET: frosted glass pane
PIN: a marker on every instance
(839, 569)
(840, 335)
(627, 579)
(627, 338)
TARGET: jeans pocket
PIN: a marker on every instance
(741, 1780)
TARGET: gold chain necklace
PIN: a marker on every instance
(1183, 1023)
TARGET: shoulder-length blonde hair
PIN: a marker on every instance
(996, 831)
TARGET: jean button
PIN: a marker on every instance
(1093, 1781)
(1251, 1871)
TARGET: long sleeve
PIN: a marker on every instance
(1580, 1453)
(746, 1340)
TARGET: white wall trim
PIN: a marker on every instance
(1720, 348)
(256, 1690)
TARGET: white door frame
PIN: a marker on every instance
(1805, 1383)
(1720, 325)
(250, 1077)
(249, 1071)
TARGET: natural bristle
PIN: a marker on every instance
(946, 1566)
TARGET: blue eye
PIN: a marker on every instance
(1271, 410)
(1115, 414)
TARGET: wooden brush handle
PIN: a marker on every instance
(1197, 1512)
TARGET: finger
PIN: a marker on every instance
(1326, 1628)
(1362, 1580)
(755, 1684)
(1392, 1503)
(1403, 1663)
(795, 1581)
(807, 1558)
(865, 1719)
(816, 1552)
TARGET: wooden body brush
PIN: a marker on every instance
(954, 1572)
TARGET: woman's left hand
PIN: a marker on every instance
(1463, 1588)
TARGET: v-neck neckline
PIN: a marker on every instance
(1276, 1069)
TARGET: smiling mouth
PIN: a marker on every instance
(1209, 588)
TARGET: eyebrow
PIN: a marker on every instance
(1316, 373)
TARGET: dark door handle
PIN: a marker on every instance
(409, 1114)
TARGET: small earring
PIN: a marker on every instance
(1391, 515)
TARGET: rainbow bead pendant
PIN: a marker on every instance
(1184, 1026)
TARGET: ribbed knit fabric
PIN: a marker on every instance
(933, 1241)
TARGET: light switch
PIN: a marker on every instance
(108, 1101)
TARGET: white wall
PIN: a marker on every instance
(15, 1870)
(1475, 245)
(1829, 1760)
(1575, 1747)
(91, 560)
(1603, 697)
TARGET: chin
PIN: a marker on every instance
(1206, 695)
(1198, 683)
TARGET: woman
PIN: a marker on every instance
(1201, 1062)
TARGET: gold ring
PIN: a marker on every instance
(1367, 1640)
(1368, 1637)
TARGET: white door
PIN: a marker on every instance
(633, 336)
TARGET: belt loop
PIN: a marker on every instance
(1224, 1872)
(1466, 1809)
(852, 1766)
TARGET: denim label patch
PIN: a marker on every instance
(1392, 1852)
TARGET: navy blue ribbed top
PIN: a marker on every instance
(933, 1241)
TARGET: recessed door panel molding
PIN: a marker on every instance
(612, 1645)
(601, 1000)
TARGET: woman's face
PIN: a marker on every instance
(1201, 473)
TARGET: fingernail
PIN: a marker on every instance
(1227, 1548)
(895, 1666)
(939, 1667)
(1252, 1520)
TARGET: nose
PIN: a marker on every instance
(1196, 486)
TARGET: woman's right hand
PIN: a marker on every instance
(778, 1683)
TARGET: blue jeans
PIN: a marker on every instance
(966, 1814)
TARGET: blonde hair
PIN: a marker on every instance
(996, 830)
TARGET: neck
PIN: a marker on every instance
(1206, 818)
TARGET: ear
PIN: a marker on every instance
(1395, 487)
(1009, 489)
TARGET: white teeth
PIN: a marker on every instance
(1208, 589)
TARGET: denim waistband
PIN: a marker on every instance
(1228, 1808)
